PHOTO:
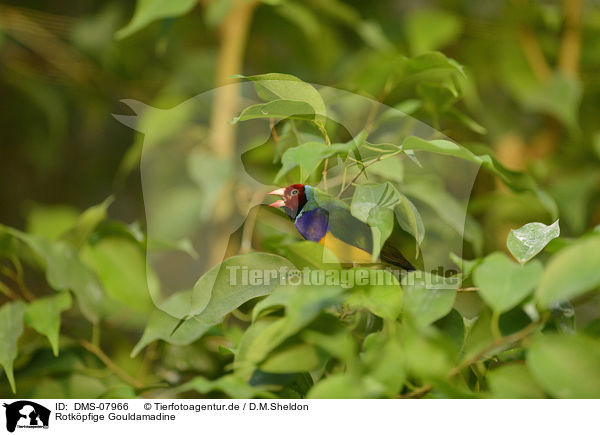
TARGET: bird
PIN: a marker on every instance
(327, 221)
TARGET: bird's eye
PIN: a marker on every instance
(295, 192)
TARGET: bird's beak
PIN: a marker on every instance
(278, 192)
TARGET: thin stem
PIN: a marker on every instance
(364, 167)
(17, 277)
(495, 325)
(8, 291)
(92, 348)
(96, 334)
(321, 128)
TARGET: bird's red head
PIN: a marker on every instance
(293, 199)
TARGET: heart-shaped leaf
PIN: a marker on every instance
(503, 283)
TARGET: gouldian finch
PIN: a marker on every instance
(330, 224)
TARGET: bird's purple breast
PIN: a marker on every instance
(313, 224)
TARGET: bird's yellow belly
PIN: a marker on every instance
(345, 252)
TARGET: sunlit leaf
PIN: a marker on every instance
(278, 109)
(527, 241)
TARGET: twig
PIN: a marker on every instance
(92, 348)
(468, 289)
(321, 128)
(8, 291)
(365, 166)
(17, 277)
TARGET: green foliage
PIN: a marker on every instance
(566, 366)
(11, 328)
(148, 11)
(503, 283)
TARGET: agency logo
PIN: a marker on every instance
(25, 414)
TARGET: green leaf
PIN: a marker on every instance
(513, 381)
(526, 242)
(346, 386)
(428, 63)
(518, 182)
(121, 268)
(503, 283)
(382, 299)
(11, 328)
(218, 292)
(307, 156)
(571, 272)
(51, 221)
(147, 11)
(296, 358)
(87, 223)
(230, 284)
(43, 315)
(384, 357)
(566, 366)
(429, 357)
(234, 386)
(339, 344)
(302, 305)
(423, 305)
(433, 193)
(275, 86)
(278, 109)
(369, 203)
(65, 271)
(429, 29)
(161, 325)
(559, 97)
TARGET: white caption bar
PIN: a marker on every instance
(159, 416)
